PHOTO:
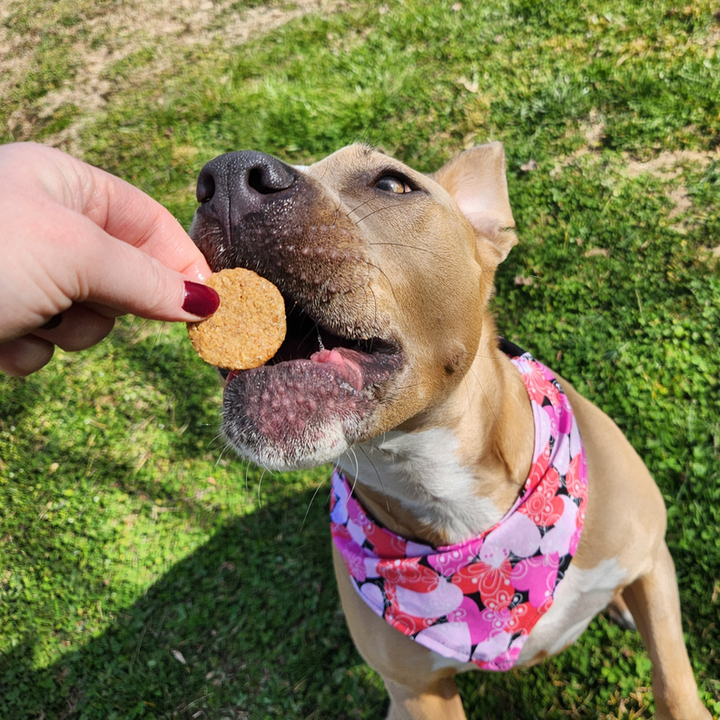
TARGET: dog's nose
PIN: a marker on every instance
(241, 182)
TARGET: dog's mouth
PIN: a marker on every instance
(313, 399)
(359, 362)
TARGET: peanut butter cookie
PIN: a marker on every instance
(248, 327)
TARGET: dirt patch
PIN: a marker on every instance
(669, 164)
(106, 37)
(593, 130)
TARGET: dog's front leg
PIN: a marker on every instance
(420, 687)
(437, 700)
(654, 603)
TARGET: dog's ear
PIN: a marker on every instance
(476, 180)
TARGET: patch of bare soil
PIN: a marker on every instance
(122, 29)
(670, 165)
(667, 165)
(710, 255)
(593, 129)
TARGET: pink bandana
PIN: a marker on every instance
(477, 601)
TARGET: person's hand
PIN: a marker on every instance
(78, 247)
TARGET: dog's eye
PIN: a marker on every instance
(388, 183)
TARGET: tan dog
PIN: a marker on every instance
(391, 369)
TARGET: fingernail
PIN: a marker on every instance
(52, 323)
(200, 299)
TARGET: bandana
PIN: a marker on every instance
(478, 600)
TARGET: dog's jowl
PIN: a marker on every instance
(482, 511)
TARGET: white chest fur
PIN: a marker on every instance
(582, 594)
(422, 471)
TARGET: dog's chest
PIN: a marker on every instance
(422, 471)
(583, 594)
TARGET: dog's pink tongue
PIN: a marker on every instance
(349, 369)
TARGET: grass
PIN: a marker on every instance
(146, 573)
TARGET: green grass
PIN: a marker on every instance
(128, 535)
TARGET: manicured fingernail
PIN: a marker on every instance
(200, 299)
(52, 323)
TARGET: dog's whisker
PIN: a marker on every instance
(373, 212)
(357, 463)
(369, 288)
(227, 447)
(484, 357)
(262, 475)
(353, 455)
(379, 477)
(355, 209)
(218, 436)
(317, 489)
(247, 480)
(469, 369)
(324, 173)
(467, 389)
(405, 246)
(487, 398)
(384, 274)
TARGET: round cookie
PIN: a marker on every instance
(248, 327)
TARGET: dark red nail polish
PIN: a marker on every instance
(52, 323)
(200, 299)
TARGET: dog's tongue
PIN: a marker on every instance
(340, 359)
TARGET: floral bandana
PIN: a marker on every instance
(477, 601)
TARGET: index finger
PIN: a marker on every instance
(123, 211)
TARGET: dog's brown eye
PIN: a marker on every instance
(388, 183)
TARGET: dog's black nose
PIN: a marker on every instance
(240, 182)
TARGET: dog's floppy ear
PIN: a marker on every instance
(476, 180)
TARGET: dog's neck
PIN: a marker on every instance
(454, 473)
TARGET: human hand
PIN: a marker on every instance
(79, 247)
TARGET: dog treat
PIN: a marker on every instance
(248, 327)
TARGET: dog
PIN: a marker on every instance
(483, 512)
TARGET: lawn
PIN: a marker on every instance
(146, 572)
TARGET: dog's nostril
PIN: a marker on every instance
(255, 181)
(205, 187)
(269, 179)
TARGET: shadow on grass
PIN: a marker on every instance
(248, 626)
